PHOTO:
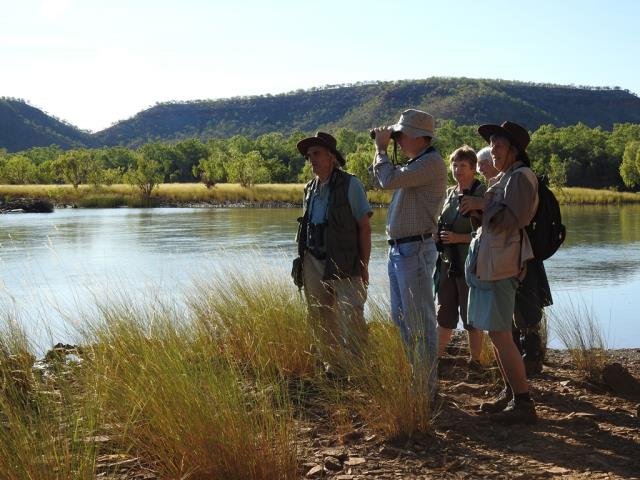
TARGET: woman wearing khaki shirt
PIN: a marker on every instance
(497, 261)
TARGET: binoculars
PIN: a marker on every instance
(442, 226)
(450, 251)
(394, 135)
(466, 191)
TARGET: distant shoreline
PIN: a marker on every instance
(196, 195)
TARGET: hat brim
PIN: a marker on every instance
(305, 144)
(412, 131)
(489, 130)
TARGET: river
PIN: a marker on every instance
(53, 266)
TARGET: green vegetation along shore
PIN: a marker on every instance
(573, 156)
(262, 195)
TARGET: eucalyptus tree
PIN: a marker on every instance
(247, 168)
(146, 175)
(630, 166)
(211, 170)
(19, 170)
(74, 166)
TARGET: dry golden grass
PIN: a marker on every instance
(47, 431)
(120, 195)
(229, 192)
(183, 405)
(397, 399)
(183, 388)
(582, 336)
(591, 196)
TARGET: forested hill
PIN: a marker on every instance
(23, 126)
(360, 106)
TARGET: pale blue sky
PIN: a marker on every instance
(94, 62)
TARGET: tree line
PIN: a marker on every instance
(570, 156)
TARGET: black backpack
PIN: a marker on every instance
(546, 231)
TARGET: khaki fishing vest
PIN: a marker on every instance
(343, 251)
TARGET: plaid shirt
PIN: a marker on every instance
(420, 187)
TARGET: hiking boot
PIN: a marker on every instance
(499, 404)
(444, 366)
(533, 366)
(475, 370)
(533, 353)
(520, 412)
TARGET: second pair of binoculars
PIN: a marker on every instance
(394, 135)
(466, 191)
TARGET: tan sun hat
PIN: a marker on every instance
(415, 123)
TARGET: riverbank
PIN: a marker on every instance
(153, 390)
(233, 195)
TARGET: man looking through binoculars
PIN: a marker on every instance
(419, 189)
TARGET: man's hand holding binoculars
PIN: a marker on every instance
(382, 137)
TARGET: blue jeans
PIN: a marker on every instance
(411, 267)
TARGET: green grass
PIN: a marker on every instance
(180, 389)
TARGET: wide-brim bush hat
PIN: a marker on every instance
(516, 134)
(415, 123)
(321, 139)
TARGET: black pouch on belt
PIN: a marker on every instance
(296, 272)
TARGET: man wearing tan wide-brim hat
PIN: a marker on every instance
(419, 188)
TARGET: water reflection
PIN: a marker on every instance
(602, 247)
(601, 225)
(72, 256)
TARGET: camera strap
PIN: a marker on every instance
(474, 186)
(314, 189)
(451, 196)
(426, 152)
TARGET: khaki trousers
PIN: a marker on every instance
(336, 307)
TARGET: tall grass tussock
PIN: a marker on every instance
(580, 333)
(398, 400)
(47, 422)
(214, 386)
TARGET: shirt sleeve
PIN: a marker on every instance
(358, 199)
(519, 197)
(515, 210)
(417, 173)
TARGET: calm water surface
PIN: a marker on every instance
(52, 265)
